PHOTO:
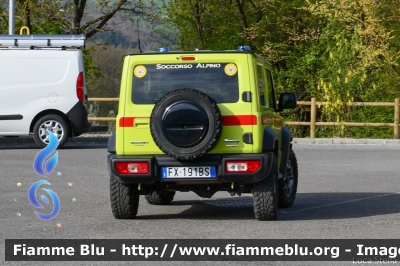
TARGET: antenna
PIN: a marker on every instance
(140, 49)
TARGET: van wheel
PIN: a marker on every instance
(55, 124)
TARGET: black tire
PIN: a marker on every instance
(160, 198)
(186, 124)
(124, 199)
(265, 196)
(288, 186)
(55, 124)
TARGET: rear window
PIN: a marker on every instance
(219, 81)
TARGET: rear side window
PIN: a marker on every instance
(152, 81)
(270, 90)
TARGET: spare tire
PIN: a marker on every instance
(185, 124)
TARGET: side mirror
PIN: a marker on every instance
(287, 100)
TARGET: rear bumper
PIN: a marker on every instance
(79, 119)
(158, 161)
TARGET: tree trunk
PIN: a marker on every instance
(26, 14)
(79, 7)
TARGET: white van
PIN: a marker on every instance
(42, 87)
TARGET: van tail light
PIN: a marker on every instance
(80, 84)
(242, 166)
(132, 167)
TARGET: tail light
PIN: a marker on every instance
(132, 167)
(242, 166)
(80, 84)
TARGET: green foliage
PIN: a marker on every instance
(92, 71)
(108, 62)
(199, 24)
(339, 51)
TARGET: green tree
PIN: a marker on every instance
(199, 23)
(339, 51)
(357, 59)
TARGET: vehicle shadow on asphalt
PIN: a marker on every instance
(67, 146)
(314, 206)
(13, 143)
(239, 208)
(308, 206)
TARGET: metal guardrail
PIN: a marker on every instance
(313, 123)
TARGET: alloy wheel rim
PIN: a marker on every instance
(289, 181)
(53, 126)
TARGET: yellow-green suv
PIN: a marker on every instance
(201, 121)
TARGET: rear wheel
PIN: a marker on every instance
(288, 186)
(265, 196)
(124, 199)
(160, 198)
(53, 123)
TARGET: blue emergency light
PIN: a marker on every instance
(163, 49)
(244, 48)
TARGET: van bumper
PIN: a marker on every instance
(78, 118)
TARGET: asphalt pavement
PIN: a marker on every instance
(345, 191)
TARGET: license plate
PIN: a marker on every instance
(189, 172)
